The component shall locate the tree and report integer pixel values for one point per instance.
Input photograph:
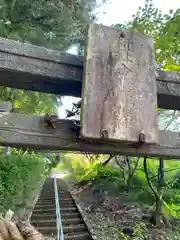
(53, 24)
(30, 102)
(165, 31)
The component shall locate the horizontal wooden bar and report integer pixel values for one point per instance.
(19, 130)
(172, 77)
(35, 68)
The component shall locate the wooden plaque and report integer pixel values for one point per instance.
(119, 96)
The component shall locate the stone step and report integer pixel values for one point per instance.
(63, 198)
(62, 201)
(74, 228)
(52, 210)
(48, 210)
(44, 206)
(62, 195)
(44, 213)
(46, 198)
(37, 217)
(67, 204)
(51, 230)
(52, 222)
(72, 221)
(63, 192)
(71, 215)
(44, 223)
(47, 231)
(67, 199)
(68, 209)
(79, 236)
(50, 198)
(53, 206)
(51, 216)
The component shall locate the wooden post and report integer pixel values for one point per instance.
(119, 89)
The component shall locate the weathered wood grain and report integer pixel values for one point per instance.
(19, 130)
(38, 52)
(119, 89)
(168, 95)
(172, 77)
(35, 68)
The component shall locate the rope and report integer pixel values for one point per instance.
(60, 235)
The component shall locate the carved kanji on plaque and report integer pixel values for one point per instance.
(119, 97)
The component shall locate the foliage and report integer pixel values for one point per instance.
(20, 175)
(165, 30)
(173, 235)
(73, 162)
(140, 231)
(112, 179)
(53, 24)
(123, 236)
(30, 102)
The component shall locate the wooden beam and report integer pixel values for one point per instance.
(168, 95)
(19, 130)
(35, 68)
(30, 67)
(172, 77)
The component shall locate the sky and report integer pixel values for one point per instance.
(118, 11)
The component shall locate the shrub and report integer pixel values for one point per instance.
(20, 175)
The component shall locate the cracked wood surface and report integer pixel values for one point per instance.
(28, 131)
(36, 68)
(119, 88)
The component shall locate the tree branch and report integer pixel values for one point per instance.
(108, 160)
(135, 167)
(170, 170)
(147, 177)
(118, 162)
(129, 167)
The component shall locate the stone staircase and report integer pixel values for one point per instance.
(44, 214)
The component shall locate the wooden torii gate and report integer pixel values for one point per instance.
(118, 66)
